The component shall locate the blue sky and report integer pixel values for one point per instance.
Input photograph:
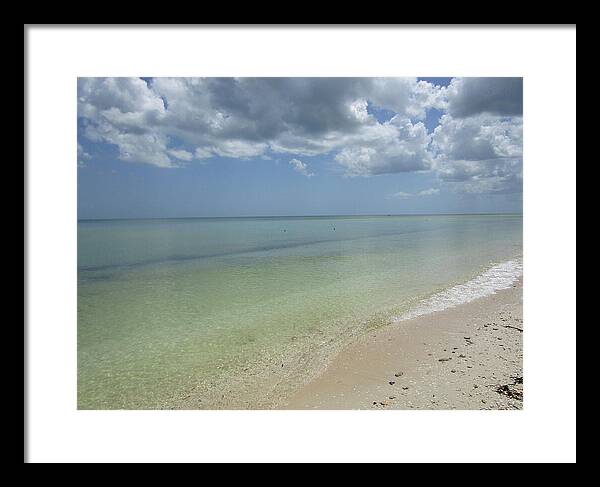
(221, 147)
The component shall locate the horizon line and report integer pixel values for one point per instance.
(296, 216)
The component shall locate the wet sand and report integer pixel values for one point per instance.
(467, 357)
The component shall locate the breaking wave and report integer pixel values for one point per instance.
(500, 276)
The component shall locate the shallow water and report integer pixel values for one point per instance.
(499, 276)
(169, 309)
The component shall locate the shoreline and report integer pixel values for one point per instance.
(467, 357)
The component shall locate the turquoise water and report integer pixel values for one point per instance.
(232, 313)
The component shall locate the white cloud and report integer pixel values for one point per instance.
(429, 192)
(394, 146)
(147, 147)
(480, 154)
(181, 154)
(251, 117)
(405, 195)
(82, 156)
(479, 138)
(126, 95)
(165, 122)
(122, 112)
(202, 153)
(239, 149)
(301, 167)
(405, 96)
(401, 195)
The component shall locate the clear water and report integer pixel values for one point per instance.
(497, 277)
(233, 313)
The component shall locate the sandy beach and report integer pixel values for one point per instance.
(466, 357)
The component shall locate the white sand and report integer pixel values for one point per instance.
(466, 357)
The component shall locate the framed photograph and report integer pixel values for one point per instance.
(353, 238)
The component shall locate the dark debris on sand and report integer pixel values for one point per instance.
(514, 390)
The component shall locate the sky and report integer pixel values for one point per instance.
(193, 147)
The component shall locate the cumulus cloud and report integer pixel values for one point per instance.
(479, 138)
(301, 167)
(394, 146)
(123, 112)
(474, 96)
(405, 96)
(170, 122)
(478, 144)
(125, 95)
(480, 154)
(251, 117)
(491, 176)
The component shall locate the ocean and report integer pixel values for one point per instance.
(235, 313)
